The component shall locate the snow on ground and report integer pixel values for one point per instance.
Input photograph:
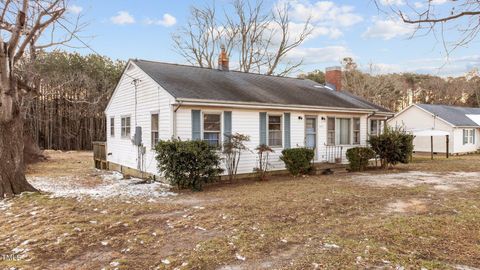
(109, 185)
(439, 181)
(4, 205)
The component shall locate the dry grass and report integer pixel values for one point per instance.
(328, 222)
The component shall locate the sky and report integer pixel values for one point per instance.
(378, 42)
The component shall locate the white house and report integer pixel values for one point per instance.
(168, 100)
(460, 123)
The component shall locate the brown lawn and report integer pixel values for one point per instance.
(424, 214)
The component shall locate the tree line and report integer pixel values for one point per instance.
(396, 91)
(68, 111)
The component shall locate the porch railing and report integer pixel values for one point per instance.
(334, 153)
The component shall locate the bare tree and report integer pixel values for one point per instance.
(459, 16)
(24, 26)
(259, 37)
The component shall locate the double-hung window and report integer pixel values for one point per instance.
(125, 126)
(376, 127)
(154, 129)
(356, 130)
(331, 130)
(212, 128)
(112, 126)
(275, 130)
(468, 136)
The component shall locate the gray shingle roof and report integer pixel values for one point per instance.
(452, 114)
(191, 82)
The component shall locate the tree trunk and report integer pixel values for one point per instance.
(12, 170)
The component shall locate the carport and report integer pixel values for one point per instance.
(433, 133)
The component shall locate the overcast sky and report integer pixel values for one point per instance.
(124, 29)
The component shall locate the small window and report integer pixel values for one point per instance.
(275, 130)
(374, 127)
(112, 126)
(356, 130)
(154, 129)
(212, 128)
(468, 136)
(125, 127)
(331, 131)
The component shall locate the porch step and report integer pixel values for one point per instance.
(329, 168)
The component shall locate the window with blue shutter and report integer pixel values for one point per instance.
(196, 125)
(263, 128)
(286, 130)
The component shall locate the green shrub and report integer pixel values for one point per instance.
(358, 158)
(298, 160)
(393, 146)
(188, 164)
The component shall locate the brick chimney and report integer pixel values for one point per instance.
(223, 59)
(333, 78)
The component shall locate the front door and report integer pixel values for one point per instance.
(311, 133)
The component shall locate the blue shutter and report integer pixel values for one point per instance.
(227, 125)
(464, 136)
(263, 128)
(473, 134)
(196, 125)
(286, 129)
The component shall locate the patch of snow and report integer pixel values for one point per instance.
(240, 257)
(104, 243)
(328, 245)
(111, 184)
(439, 181)
(200, 228)
(166, 261)
(4, 205)
(114, 264)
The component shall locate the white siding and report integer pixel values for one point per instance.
(151, 98)
(246, 121)
(415, 118)
(465, 148)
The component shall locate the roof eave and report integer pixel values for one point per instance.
(208, 102)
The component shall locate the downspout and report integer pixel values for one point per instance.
(175, 109)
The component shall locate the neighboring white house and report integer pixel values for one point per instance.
(461, 123)
(186, 102)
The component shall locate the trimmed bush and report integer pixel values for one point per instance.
(188, 164)
(393, 146)
(358, 158)
(298, 160)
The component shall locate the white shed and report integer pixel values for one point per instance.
(460, 123)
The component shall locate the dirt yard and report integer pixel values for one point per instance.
(425, 215)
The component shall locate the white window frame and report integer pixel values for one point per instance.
(122, 128)
(112, 126)
(281, 129)
(468, 136)
(356, 130)
(336, 130)
(380, 126)
(221, 126)
(151, 128)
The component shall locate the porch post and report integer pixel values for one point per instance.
(447, 139)
(431, 147)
